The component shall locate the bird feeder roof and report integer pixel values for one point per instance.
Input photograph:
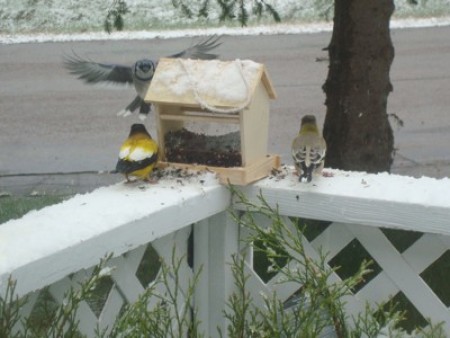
(207, 83)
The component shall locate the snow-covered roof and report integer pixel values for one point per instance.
(207, 82)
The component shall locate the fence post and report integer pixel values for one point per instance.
(216, 240)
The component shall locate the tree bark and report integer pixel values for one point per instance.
(357, 130)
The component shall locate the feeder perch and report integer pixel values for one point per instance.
(214, 114)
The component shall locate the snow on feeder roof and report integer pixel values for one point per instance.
(214, 114)
(209, 84)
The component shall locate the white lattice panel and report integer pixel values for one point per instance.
(126, 287)
(400, 271)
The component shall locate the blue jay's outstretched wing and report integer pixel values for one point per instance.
(139, 74)
(93, 72)
(200, 50)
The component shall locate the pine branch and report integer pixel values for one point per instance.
(272, 12)
(204, 9)
(243, 14)
(114, 18)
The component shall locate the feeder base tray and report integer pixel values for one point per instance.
(235, 175)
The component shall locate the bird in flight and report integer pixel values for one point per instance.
(140, 74)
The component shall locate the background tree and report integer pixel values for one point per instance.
(356, 128)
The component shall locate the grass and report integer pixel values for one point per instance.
(13, 207)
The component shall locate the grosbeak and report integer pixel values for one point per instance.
(308, 149)
(138, 154)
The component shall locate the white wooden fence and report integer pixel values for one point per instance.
(44, 248)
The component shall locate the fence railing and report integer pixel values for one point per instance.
(57, 245)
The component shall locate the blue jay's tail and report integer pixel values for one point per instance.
(144, 108)
(137, 102)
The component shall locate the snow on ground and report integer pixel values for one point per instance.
(272, 29)
(70, 16)
(61, 20)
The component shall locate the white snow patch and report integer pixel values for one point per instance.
(272, 29)
(87, 216)
(54, 228)
(82, 15)
(106, 271)
(425, 191)
(228, 82)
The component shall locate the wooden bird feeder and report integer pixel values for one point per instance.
(214, 114)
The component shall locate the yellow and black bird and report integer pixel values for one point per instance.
(308, 149)
(138, 154)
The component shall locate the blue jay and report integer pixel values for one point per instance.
(140, 74)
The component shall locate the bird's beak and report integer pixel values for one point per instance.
(146, 67)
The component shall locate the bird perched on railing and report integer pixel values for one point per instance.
(308, 149)
(138, 154)
(140, 74)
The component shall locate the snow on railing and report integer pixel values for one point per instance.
(45, 247)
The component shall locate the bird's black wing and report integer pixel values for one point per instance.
(93, 72)
(127, 167)
(200, 50)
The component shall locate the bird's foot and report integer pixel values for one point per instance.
(128, 180)
(124, 113)
(151, 180)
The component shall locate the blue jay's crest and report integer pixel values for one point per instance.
(139, 74)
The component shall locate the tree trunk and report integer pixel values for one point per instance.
(357, 129)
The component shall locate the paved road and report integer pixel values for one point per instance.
(51, 122)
